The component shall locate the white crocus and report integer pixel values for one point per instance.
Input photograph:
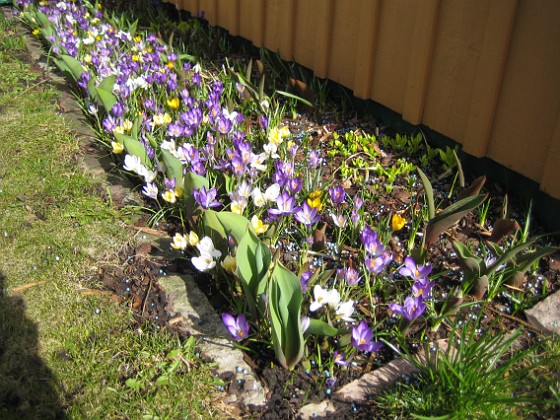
(206, 246)
(324, 297)
(258, 197)
(244, 190)
(132, 163)
(203, 263)
(345, 310)
(271, 150)
(258, 162)
(272, 192)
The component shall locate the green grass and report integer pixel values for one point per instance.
(64, 353)
(488, 376)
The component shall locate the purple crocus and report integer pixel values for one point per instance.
(286, 205)
(362, 337)
(313, 160)
(371, 242)
(307, 215)
(377, 264)
(337, 194)
(423, 288)
(415, 272)
(304, 280)
(413, 308)
(237, 327)
(338, 358)
(351, 276)
(206, 198)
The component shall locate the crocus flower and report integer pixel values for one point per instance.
(397, 222)
(180, 241)
(132, 163)
(305, 322)
(362, 337)
(324, 297)
(377, 264)
(337, 194)
(118, 148)
(423, 288)
(150, 190)
(338, 358)
(237, 327)
(412, 309)
(286, 205)
(229, 264)
(206, 246)
(344, 311)
(206, 198)
(371, 242)
(307, 215)
(339, 220)
(410, 269)
(258, 225)
(304, 280)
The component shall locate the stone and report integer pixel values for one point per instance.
(317, 410)
(202, 322)
(545, 315)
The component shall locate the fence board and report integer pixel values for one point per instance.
(482, 72)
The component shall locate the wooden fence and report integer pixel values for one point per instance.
(485, 73)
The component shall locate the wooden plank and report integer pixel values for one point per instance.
(228, 16)
(550, 181)
(529, 102)
(368, 29)
(210, 10)
(423, 39)
(323, 38)
(489, 75)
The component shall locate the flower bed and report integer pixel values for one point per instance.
(288, 224)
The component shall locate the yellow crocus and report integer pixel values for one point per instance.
(170, 196)
(118, 148)
(314, 200)
(397, 222)
(229, 264)
(258, 225)
(193, 238)
(174, 103)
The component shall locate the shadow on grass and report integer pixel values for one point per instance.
(28, 389)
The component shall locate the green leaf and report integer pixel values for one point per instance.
(253, 262)
(134, 147)
(450, 216)
(173, 167)
(42, 20)
(162, 380)
(215, 230)
(191, 182)
(471, 264)
(72, 66)
(103, 94)
(285, 299)
(234, 224)
(292, 96)
(318, 327)
(134, 384)
(429, 193)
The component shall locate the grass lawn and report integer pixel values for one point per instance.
(64, 352)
